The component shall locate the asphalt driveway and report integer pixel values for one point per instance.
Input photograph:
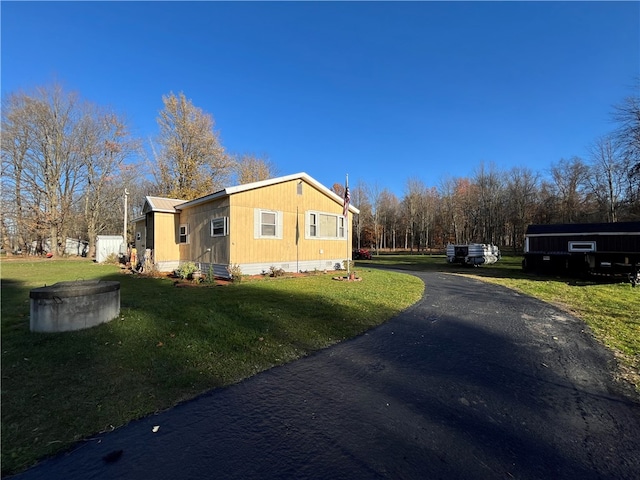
(473, 382)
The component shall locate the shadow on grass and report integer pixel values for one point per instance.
(446, 390)
(167, 345)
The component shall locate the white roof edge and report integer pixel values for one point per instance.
(264, 183)
(154, 208)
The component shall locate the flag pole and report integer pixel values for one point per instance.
(347, 199)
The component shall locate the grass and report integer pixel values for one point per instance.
(611, 309)
(168, 345)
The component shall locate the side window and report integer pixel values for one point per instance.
(220, 227)
(267, 224)
(313, 225)
(183, 233)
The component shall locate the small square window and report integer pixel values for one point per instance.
(183, 234)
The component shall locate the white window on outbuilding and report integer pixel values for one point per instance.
(585, 247)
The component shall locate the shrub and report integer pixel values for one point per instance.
(275, 271)
(210, 278)
(186, 269)
(112, 259)
(235, 272)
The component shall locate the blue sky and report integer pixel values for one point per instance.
(383, 91)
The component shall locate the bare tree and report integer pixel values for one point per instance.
(56, 151)
(627, 135)
(627, 142)
(360, 200)
(374, 194)
(569, 179)
(606, 177)
(42, 142)
(490, 216)
(391, 219)
(522, 200)
(451, 192)
(16, 143)
(387, 214)
(108, 145)
(191, 162)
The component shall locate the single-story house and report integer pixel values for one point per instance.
(293, 223)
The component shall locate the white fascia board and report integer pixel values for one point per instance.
(265, 183)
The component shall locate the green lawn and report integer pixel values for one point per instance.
(169, 344)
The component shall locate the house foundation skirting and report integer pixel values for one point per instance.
(220, 270)
(292, 266)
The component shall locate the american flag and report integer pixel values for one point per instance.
(347, 200)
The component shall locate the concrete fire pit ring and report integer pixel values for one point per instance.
(67, 306)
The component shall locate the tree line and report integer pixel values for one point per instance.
(66, 163)
(494, 206)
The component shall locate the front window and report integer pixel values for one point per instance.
(325, 226)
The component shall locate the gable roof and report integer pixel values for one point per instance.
(264, 183)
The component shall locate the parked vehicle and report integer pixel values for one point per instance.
(361, 254)
(473, 254)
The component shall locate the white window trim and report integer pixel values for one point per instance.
(339, 219)
(186, 229)
(582, 247)
(309, 224)
(257, 224)
(225, 227)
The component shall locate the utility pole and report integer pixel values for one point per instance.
(124, 229)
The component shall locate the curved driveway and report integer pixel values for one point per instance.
(473, 382)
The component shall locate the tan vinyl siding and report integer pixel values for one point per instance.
(283, 198)
(165, 237)
(199, 220)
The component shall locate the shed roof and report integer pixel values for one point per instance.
(585, 228)
(161, 204)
